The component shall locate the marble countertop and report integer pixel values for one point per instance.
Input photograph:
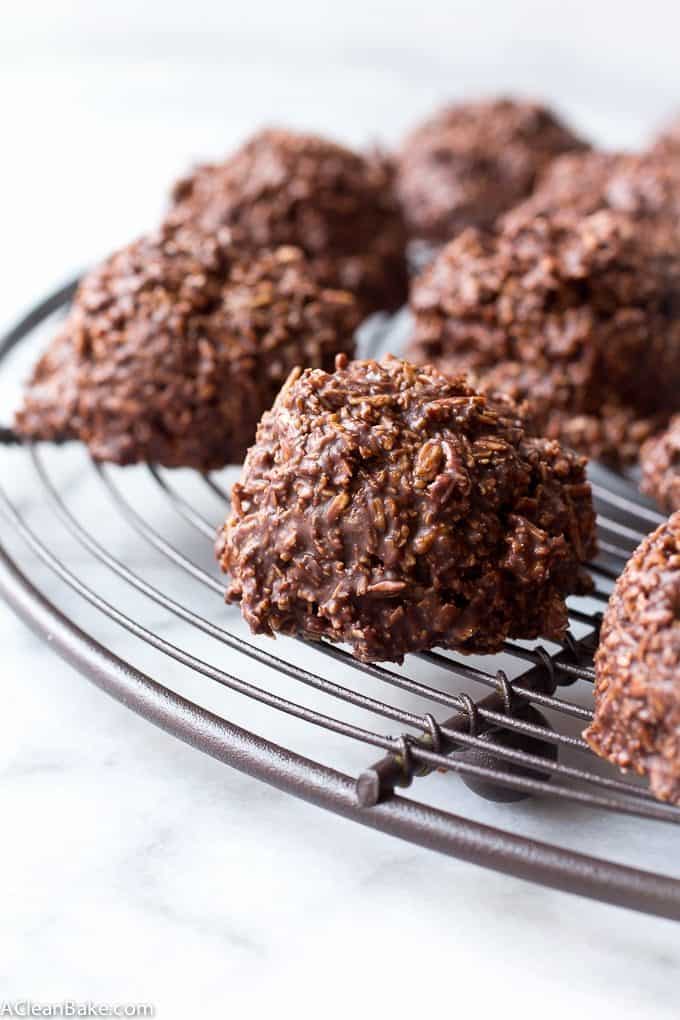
(133, 867)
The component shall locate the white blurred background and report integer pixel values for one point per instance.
(104, 103)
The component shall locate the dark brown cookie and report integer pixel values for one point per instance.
(660, 462)
(175, 346)
(471, 161)
(575, 315)
(645, 186)
(575, 181)
(637, 691)
(337, 205)
(395, 509)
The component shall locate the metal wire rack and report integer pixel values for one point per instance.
(384, 727)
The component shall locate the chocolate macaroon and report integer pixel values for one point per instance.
(337, 205)
(660, 463)
(646, 186)
(576, 181)
(637, 689)
(471, 161)
(574, 316)
(396, 509)
(175, 346)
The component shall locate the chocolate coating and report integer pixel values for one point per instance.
(637, 690)
(574, 315)
(645, 186)
(660, 463)
(395, 509)
(471, 161)
(576, 181)
(175, 346)
(335, 204)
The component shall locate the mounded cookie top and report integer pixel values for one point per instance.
(175, 346)
(660, 463)
(283, 187)
(637, 690)
(471, 161)
(575, 314)
(645, 186)
(396, 509)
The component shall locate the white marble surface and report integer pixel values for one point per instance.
(134, 868)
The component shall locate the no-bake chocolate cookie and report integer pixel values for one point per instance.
(576, 181)
(660, 463)
(574, 316)
(395, 509)
(637, 690)
(646, 186)
(337, 205)
(175, 346)
(471, 161)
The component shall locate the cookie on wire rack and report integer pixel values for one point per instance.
(396, 509)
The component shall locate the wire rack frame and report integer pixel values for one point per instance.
(501, 745)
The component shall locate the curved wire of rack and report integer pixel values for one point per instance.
(502, 745)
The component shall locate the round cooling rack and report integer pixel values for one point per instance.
(114, 567)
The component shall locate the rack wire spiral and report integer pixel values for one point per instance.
(402, 724)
